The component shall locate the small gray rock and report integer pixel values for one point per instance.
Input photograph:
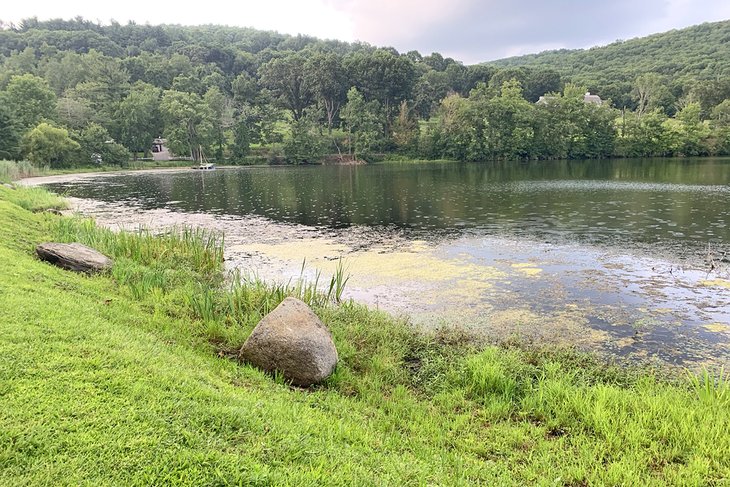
(74, 257)
(292, 340)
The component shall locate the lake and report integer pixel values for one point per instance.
(626, 257)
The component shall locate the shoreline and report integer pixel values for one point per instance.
(138, 353)
(465, 289)
(62, 178)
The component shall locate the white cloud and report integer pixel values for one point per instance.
(397, 22)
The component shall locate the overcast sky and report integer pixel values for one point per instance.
(467, 30)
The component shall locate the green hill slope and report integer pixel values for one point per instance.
(685, 56)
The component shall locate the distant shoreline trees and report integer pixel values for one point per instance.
(234, 94)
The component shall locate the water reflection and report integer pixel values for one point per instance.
(672, 204)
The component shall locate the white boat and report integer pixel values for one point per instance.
(200, 162)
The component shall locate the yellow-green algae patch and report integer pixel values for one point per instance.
(312, 250)
(716, 283)
(432, 287)
(625, 342)
(413, 262)
(717, 327)
(527, 268)
(568, 327)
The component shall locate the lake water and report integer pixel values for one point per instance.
(625, 257)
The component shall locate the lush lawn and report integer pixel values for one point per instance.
(130, 379)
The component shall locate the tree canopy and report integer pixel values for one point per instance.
(220, 91)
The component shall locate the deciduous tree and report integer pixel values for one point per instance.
(29, 100)
(46, 145)
(188, 123)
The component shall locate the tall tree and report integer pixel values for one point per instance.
(382, 75)
(363, 124)
(75, 111)
(46, 145)
(285, 78)
(326, 75)
(509, 132)
(304, 144)
(138, 118)
(29, 100)
(9, 136)
(221, 107)
(405, 130)
(97, 146)
(647, 88)
(188, 123)
(106, 86)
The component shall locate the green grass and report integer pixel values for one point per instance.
(130, 378)
(32, 199)
(12, 171)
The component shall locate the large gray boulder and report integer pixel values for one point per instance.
(292, 340)
(74, 257)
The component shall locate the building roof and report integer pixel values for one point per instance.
(588, 98)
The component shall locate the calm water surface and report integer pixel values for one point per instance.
(633, 251)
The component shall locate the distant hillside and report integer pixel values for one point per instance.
(69, 86)
(700, 52)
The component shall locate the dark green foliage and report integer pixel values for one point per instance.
(96, 146)
(138, 117)
(9, 136)
(695, 59)
(189, 124)
(227, 88)
(304, 144)
(363, 127)
(29, 100)
(241, 140)
(48, 145)
(285, 78)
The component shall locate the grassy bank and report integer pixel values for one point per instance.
(130, 378)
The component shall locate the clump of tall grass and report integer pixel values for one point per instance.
(12, 171)
(310, 291)
(712, 389)
(188, 263)
(248, 295)
(142, 281)
(230, 311)
(34, 199)
(177, 247)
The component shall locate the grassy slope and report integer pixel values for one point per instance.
(99, 388)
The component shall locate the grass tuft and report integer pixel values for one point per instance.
(12, 170)
(33, 199)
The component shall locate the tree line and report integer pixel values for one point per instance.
(77, 92)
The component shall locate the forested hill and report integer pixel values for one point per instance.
(79, 92)
(681, 57)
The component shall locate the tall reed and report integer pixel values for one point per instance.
(197, 249)
(12, 170)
